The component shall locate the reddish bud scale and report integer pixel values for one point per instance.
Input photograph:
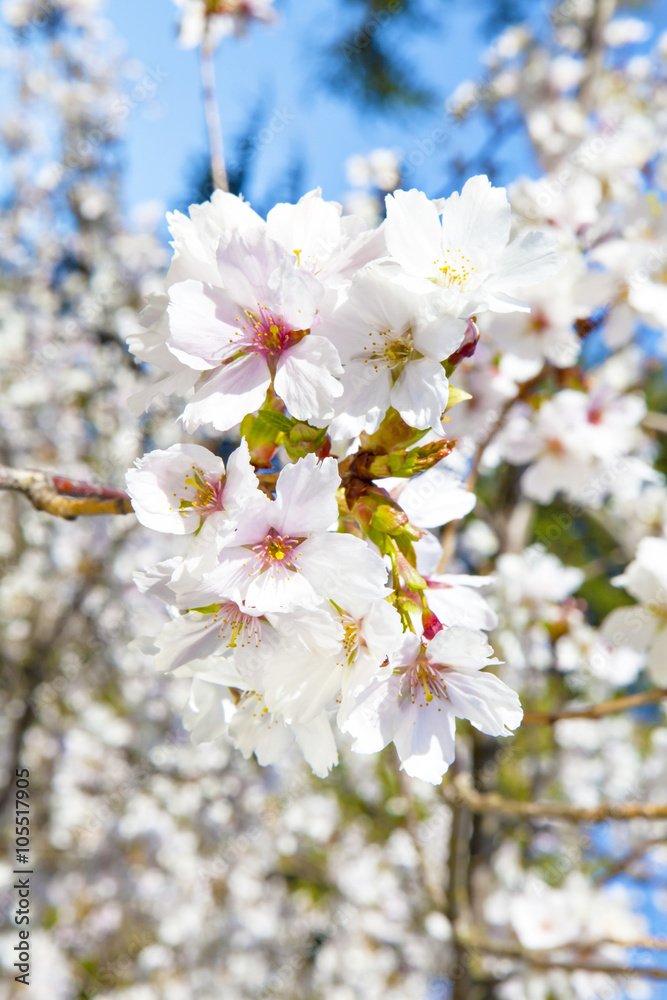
(75, 488)
(467, 348)
(432, 624)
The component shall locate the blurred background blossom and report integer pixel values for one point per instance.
(167, 869)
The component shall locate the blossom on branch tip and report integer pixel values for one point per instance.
(430, 685)
(176, 489)
(214, 20)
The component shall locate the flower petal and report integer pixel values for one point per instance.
(420, 394)
(305, 378)
(306, 497)
(229, 394)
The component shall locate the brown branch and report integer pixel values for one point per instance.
(61, 497)
(655, 422)
(457, 906)
(594, 51)
(596, 711)
(545, 959)
(645, 944)
(30, 672)
(460, 790)
(620, 865)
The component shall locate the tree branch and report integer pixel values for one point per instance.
(67, 498)
(596, 711)
(457, 901)
(655, 422)
(545, 959)
(594, 50)
(619, 866)
(460, 790)
(212, 113)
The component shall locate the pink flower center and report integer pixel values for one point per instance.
(278, 550)
(236, 627)
(207, 496)
(267, 334)
(425, 682)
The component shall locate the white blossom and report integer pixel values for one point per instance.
(465, 259)
(430, 685)
(644, 626)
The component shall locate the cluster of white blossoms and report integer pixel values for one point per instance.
(336, 888)
(301, 598)
(214, 20)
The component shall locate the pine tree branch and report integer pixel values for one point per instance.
(67, 498)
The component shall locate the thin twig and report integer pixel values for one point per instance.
(594, 50)
(621, 865)
(212, 113)
(545, 960)
(597, 711)
(460, 790)
(62, 497)
(31, 676)
(457, 901)
(523, 391)
(655, 422)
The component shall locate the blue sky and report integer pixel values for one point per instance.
(281, 67)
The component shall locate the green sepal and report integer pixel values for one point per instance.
(302, 439)
(456, 396)
(260, 436)
(277, 423)
(404, 464)
(404, 543)
(392, 434)
(270, 430)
